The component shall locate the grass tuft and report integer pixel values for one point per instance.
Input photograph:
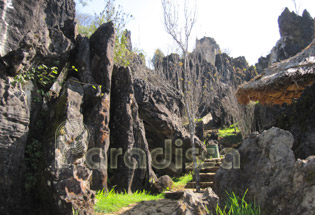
(238, 206)
(111, 201)
(180, 183)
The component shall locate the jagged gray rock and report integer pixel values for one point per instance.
(67, 175)
(15, 108)
(296, 33)
(198, 203)
(98, 112)
(31, 31)
(134, 171)
(269, 172)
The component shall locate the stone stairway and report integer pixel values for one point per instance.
(207, 173)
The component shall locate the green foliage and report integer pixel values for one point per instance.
(43, 75)
(157, 59)
(89, 24)
(112, 201)
(180, 183)
(230, 131)
(236, 206)
(122, 56)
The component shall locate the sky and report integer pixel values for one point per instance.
(240, 27)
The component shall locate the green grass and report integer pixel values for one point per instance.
(111, 201)
(238, 206)
(230, 135)
(230, 131)
(179, 183)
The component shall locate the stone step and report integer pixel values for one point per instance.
(202, 184)
(214, 160)
(174, 194)
(207, 177)
(210, 169)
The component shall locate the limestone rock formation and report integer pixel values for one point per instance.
(98, 110)
(198, 203)
(31, 31)
(208, 48)
(15, 111)
(271, 174)
(217, 75)
(296, 32)
(67, 177)
(160, 109)
(133, 169)
(283, 81)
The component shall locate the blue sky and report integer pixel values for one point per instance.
(245, 27)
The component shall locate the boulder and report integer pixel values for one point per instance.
(198, 203)
(161, 184)
(132, 169)
(269, 171)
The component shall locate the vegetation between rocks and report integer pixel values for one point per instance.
(180, 183)
(111, 201)
(238, 206)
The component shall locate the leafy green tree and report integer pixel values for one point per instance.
(87, 25)
(157, 59)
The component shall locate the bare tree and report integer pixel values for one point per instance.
(179, 20)
(297, 6)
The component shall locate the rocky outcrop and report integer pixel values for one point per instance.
(198, 203)
(102, 44)
(269, 172)
(216, 78)
(66, 176)
(208, 48)
(15, 109)
(160, 109)
(298, 118)
(282, 82)
(35, 31)
(132, 170)
(296, 32)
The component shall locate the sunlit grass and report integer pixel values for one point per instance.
(238, 206)
(180, 183)
(233, 130)
(111, 201)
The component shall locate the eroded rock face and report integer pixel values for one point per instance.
(33, 30)
(130, 170)
(160, 111)
(269, 172)
(198, 203)
(296, 33)
(15, 108)
(67, 176)
(98, 113)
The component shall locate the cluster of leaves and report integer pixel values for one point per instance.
(157, 59)
(88, 24)
(238, 206)
(43, 75)
(111, 201)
